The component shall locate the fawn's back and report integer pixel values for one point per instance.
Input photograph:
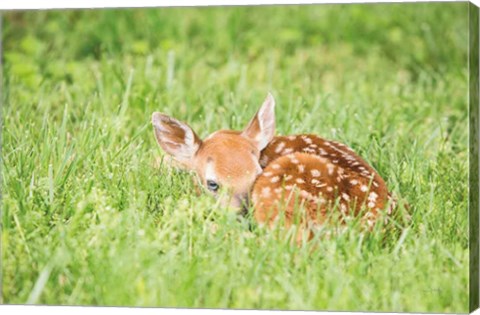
(320, 176)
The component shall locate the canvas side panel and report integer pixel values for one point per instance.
(1, 124)
(1, 150)
(474, 157)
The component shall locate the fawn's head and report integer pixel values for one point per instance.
(224, 161)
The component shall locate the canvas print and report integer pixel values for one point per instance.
(296, 157)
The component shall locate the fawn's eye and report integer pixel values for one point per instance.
(212, 185)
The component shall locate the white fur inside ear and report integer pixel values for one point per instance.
(266, 114)
(175, 137)
(266, 120)
(189, 138)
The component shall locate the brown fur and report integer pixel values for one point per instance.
(344, 179)
(233, 156)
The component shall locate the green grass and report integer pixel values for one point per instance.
(87, 218)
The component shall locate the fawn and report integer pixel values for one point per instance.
(255, 166)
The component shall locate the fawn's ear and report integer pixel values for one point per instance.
(261, 128)
(176, 138)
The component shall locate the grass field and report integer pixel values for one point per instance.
(89, 219)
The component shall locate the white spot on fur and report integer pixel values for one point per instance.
(330, 168)
(354, 182)
(315, 172)
(275, 166)
(293, 159)
(371, 204)
(275, 179)
(305, 194)
(364, 188)
(307, 140)
(315, 181)
(301, 168)
(266, 192)
(288, 177)
(372, 196)
(267, 174)
(330, 189)
(346, 196)
(300, 181)
(287, 151)
(280, 147)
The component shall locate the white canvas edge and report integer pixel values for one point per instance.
(74, 310)
(50, 4)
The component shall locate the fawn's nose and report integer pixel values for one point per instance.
(234, 202)
(244, 203)
(238, 203)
